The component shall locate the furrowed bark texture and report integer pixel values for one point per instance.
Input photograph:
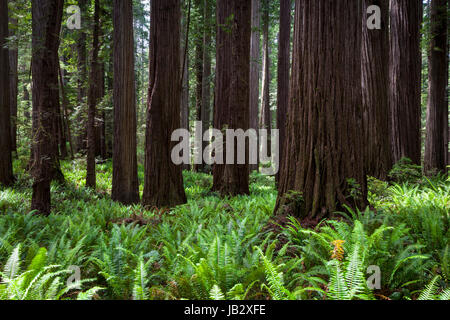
(323, 160)
(46, 25)
(125, 186)
(375, 86)
(232, 88)
(405, 78)
(163, 179)
(437, 139)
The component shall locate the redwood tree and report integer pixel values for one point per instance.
(232, 88)
(46, 25)
(375, 85)
(6, 172)
(125, 184)
(284, 50)
(323, 163)
(405, 79)
(437, 139)
(93, 97)
(163, 179)
(14, 80)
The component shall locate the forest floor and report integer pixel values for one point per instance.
(215, 248)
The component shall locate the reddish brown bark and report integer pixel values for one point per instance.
(14, 80)
(232, 95)
(322, 159)
(125, 185)
(47, 15)
(284, 50)
(437, 139)
(405, 78)
(375, 85)
(6, 172)
(163, 179)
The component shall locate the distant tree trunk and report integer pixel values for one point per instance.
(102, 152)
(93, 97)
(163, 179)
(255, 55)
(322, 159)
(437, 139)
(265, 120)
(125, 186)
(198, 83)
(81, 132)
(47, 16)
(6, 172)
(375, 85)
(206, 77)
(65, 114)
(232, 95)
(284, 53)
(405, 79)
(14, 80)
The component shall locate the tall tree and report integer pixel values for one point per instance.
(232, 88)
(255, 55)
(284, 51)
(265, 120)
(125, 185)
(437, 139)
(46, 25)
(405, 78)
(322, 159)
(6, 172)
(163, 179)
(93, 97)
(14, 81)
(375, 85)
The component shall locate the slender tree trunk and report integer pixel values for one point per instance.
(163, 179)
(65, 104)
(437, 139)
(255, 55)
(93, 96)
(265, 120)
(125, 186)
(284, 52)
(47, 16)
(199, 83)
(322, 159)
(405, 79)
(6, 172)
(232, 89)
(14, 80)
(375, 85)
(102, 121)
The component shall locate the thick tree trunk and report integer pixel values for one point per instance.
(163, 179)
(6, 172)
(47, 16)
(284, 52)
(437, 139)
(265, 120)
(255, 55)
(93, 97)
(232, 89)
(125, 186)
(13, 83)
(323, 162)
(375, 85)
(405, 78)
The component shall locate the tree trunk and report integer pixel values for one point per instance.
(323, 166)
(6, 172)
(284, 52)
(13, 83)
(163, 179)
(232, 95)
(375, 85)
(93, 97)
(254, 67)
(125, 186)
(265, 120)
(47, 16)
(65, 104)
(405, 79)
(198, 83)
(437, 140)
